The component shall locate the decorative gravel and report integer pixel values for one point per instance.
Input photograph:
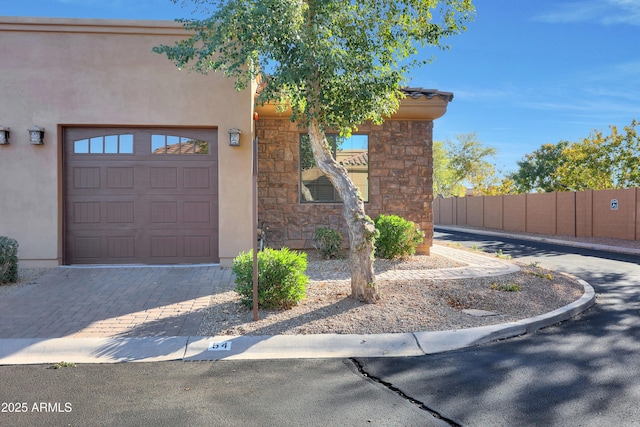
(26, 276)
(405, 306)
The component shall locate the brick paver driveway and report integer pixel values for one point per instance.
(111, 301)
(160, 301)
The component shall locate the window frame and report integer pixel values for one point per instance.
(103, 145)
(336, 197)
(173, 140)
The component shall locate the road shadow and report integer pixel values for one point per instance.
(581, 372)
(519, 247)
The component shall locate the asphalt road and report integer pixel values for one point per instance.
(583, 372)
(241, 393)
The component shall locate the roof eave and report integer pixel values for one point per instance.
(419, 104)
(423, 104)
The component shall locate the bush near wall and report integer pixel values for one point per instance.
(8, 260)
(398, 238)
(328, 242)
(281, 279)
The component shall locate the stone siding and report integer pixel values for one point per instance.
(400, 181)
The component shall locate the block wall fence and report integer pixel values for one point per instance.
(605, 213)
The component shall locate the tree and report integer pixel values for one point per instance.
(627, 149)
(335, 64)
(445, 183)
(597, 162)
(498, 186)
(465, 161)
(586, 165)
(538, 170)
(601, 161)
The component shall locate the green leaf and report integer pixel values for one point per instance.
(340, 62)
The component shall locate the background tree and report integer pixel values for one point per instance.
(496, 186)
(461, 163)
(586, 164)
(445, 183)
(538, 170)
(601, 161)
(627, 149)
(598, 162)
(336, 64)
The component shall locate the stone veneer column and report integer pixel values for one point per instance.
(401, 173)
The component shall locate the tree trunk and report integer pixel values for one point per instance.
(361, 227)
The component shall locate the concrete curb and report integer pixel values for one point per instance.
(438, 342)
(25, 351)
(305, 347)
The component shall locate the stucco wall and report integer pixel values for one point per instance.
(566, 216)
(584, 213)
(58, 72)
(444, 214)
(475, 212)
(400, 179)
(619, 223)
(459, 208)
(541, 213)
(493, 207)
(515, 212)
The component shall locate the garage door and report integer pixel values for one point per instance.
(145, 196)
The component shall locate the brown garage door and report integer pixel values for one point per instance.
(145, 196)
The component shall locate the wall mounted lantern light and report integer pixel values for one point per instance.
(36, 135)
(4, 135)
(234, 137)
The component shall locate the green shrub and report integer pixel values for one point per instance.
(281, 279)
(328, 242)
(8, 260)
(499, 254)
(398, 237)
(505, 287)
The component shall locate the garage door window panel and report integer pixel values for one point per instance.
(109, 144)
(171, 144)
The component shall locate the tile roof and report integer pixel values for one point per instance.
(359, 159)
(189, 147)
(417, 92)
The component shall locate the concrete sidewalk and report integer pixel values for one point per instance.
(120, 314)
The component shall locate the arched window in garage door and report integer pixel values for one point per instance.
(107, 144)
(170, 144)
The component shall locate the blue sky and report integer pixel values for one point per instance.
(524, 74)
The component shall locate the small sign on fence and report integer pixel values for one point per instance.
(614, 204)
